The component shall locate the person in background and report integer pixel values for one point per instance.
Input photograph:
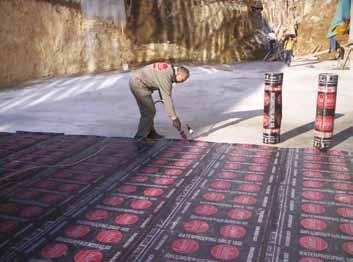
(271, 37)
(288, 46)
(156, 76)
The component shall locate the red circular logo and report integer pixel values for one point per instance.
(313, 195)
(26, 195)
(227, 175)
(196, 226)
(213, 196)
(46, 184)
(312, 165)
(190, 156)
(185, 246)
(257, 168)
(313, 208)
(7, 226)
(260, 160)
(97, 215)
(335, 159)
(62, 174)
(139, 179)
(140, 204)
(249, 188)
(313, 224)
(263, 153)
(77, 231)
(8, 207)
(126, 219)
(312, 157)
(232, 231)
(266, 99)
(85, 178)
(312, 174)
(348, 248)
(347, 229)
(109, 236)
(150, 170)
(339, 168)
(345, 212)
(51, 198)
(113, 201)
(224, 252)
(341, 176)
(327, 101)
(237, 158)
(324, 123)
(239, 214)
(313, 184)
(180, 163)
(31, 211)
(231, 165)
(206, 210)
(69, 187)
(88, 255)
(153, 192)
(127, 189)
(255, 178)
(163, 181)
(173, 172)
(220, 185)
(160, 162)
(54, 250)
(313, 243)
(342, 186)
(266, 120)
(343, 198)
(245, 200)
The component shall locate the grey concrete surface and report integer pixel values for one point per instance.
(222, 103)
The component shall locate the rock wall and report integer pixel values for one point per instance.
(40, 39)
(310, 19)
(220, 31)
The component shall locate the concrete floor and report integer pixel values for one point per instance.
(222, 103)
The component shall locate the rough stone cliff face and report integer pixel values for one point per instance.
(311, 19)
(40, 38)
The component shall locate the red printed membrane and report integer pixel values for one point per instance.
(185, 246)
(54, 250)
(77, 231)
(224, 252)
(313, 243)
(91, 255)
(196, 226)
(126, 219)
(109, 236)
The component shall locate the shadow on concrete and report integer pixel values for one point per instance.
(301, 129)
(342, 136)
(241, 116)
(297, 63)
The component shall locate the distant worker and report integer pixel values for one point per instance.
(271, 37)
(157, 76)
(288, 46)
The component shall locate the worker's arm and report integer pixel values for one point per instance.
(165, 86)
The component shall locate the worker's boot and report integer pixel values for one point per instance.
(154, 135)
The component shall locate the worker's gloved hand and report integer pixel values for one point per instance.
(177, 123)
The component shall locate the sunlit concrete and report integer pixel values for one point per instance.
(222, 103)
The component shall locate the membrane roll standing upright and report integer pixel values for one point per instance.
(272, 108)
(325, 110)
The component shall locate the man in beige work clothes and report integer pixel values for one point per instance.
(142, 84)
